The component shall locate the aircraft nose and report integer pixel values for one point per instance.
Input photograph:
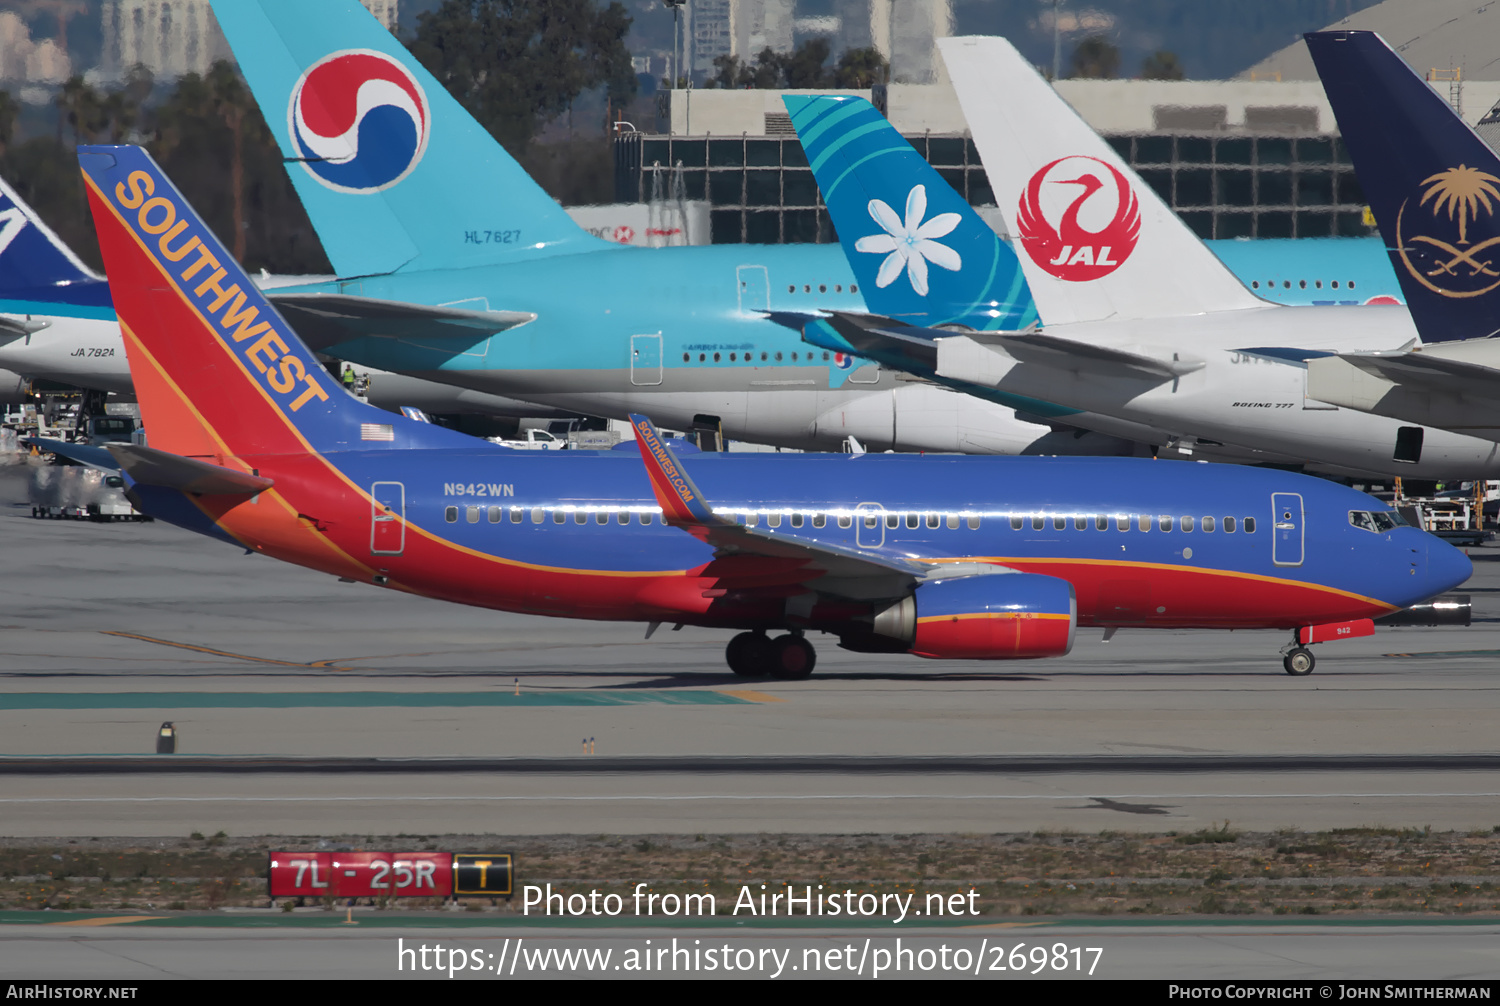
(1447, 567)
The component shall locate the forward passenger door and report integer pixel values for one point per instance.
(1287, 529)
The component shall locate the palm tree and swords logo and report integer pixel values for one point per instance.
(1456, 268)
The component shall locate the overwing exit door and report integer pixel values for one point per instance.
(387, 518)
(869, 523)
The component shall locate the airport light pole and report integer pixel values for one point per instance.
(1056, 42)
(676, 6)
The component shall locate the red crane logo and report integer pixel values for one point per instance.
(1069, 250)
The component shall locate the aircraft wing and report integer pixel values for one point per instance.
(327, 319)
(762, 559)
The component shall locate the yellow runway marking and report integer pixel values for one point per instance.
(113, 920)
(749, 696)
(222, 653)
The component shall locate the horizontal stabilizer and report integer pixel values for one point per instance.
(151, 467)
(875, 337)
(327, 319)
(1429, 373)
(1067, 354)
(83, 454)
(1293, 355)
(14, 327)
(1452, 385)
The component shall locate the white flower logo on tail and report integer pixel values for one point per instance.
(910, 245)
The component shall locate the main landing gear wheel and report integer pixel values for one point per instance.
(749, 655)
(792, 657)
(1299, 661)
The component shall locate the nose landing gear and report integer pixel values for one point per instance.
(755, 655)
(1299, 661)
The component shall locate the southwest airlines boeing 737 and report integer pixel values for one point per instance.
(952, 557)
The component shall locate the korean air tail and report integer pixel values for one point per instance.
(1097, 242)
(920, 251)
(1432, 183)
(218, 373)
(393, 172)
(38, 273)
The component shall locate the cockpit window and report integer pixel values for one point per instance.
(1377, 522)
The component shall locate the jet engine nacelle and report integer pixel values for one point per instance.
(1002, 616)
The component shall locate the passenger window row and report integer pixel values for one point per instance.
(912, 520)
(774, 519)
(871, 519)
(1286, 284)
(538, 515)
(822, 288)
(749, 357)
(1124, 522)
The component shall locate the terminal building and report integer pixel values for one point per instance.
(1254, 157)
(1235, 158)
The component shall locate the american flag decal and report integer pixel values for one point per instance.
(376, 431)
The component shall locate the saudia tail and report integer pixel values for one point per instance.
(920, 251)
(1096, 242)
(391, 169)
(39, 274)
(1433, 185)
(217, 371)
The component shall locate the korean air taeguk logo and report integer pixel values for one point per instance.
(359, 120)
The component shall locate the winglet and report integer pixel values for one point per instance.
(681, 502)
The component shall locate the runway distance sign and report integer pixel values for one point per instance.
(479, 873)
(362, 874)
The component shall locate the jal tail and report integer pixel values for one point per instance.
(1095, 241)
(920, 251)
(1432, 183)
(217, 371)
(39, 274)
(393, 172)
